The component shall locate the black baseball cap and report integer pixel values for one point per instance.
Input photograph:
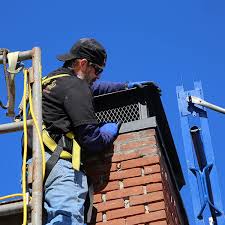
(87, 48)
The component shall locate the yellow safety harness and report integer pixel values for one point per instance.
(52, 145)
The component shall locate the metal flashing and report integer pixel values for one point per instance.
(138, 125)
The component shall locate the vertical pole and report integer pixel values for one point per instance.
(37, 190)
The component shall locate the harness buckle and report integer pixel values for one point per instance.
(66, 143)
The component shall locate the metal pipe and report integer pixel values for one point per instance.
(25, 55)
(11, 208)
(206, 104)
(37, 190)
(198, 147)
(12, 127)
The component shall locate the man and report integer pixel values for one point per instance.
(68, 106)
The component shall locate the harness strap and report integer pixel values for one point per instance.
(53, 160)
(46, 80)
(52, 145)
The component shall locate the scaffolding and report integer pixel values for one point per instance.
(37, 177)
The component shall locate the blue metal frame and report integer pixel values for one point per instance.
(202, 173)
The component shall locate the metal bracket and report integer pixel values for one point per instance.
(204, 188)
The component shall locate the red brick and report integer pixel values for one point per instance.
(137, 144)
(114, 167)
(137, 181)
(154, 187)
(114, 204)
(114, 185)
(158, 223)
(145, 218)
(124, 193)
(148, 150)
(155, 196)
(152, 169)
(118, 175)
(114, 222)
(119, 213)
(99, 217)
(127, 137)
(97, 198)
(141, 180)
(123, 157)
(140, 162)
(156, 206)
(143, 151)
(156, 177)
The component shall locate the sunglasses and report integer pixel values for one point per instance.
(97, 68)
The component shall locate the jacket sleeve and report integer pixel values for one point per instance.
(91, 139)
(104, 87)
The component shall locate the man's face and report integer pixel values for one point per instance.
(91, 72)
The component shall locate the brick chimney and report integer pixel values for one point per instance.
(138, 180)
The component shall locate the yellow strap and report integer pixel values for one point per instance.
(76, 152)
(70, 135)
(51, 144)
(45, 80)
(76, 155)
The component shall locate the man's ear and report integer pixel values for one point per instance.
(83, 62)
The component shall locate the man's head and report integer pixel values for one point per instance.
(88, 59)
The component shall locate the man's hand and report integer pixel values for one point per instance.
(140, 84)
(111, 128)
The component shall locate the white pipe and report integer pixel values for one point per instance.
(204, 103)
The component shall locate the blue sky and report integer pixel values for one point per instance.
(169, 42)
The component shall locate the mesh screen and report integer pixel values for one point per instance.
(124, 114)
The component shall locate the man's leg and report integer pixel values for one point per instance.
(65, 193)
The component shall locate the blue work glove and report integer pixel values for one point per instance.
(111, 129)
(140, 84)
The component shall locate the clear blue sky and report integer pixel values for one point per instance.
(169, 42)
